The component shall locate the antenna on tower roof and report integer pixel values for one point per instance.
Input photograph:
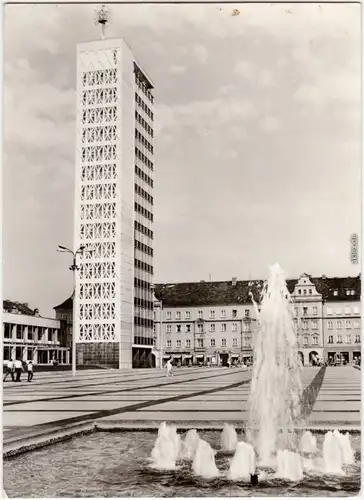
(103, 19)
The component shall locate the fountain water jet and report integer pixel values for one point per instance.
(308, 442)
(347, 450)
(189, 445)
(229, 438)
(276, 390)
(332, 454)
(166, 448)
(204, 461)
(289, 465)
(243, 463)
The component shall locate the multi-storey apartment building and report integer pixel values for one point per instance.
(308, 305)
(342, 321)
(114, 207)
(205, 322)
(64, 314)
(29, 336)
(215, 321)
(328, 317)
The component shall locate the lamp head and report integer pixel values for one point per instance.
(61, 248)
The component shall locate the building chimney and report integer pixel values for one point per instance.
(233, 281)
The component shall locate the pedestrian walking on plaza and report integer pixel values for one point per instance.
(169, 368)
(9, 369)
(30, 371)
(18, 369)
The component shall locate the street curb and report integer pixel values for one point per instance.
(153, 426)
(24, 443)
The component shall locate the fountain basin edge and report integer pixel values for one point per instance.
(28, 442)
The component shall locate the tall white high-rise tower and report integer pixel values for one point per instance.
(114, 207)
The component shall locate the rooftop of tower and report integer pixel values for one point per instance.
(111, 43)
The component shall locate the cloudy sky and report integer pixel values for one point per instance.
(257, 147)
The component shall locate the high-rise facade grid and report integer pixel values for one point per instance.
(114, 206)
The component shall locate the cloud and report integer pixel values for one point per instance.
(32, 123)
(232, 154)
(204, 116)
(266, 79)
(310, 95)
(244, 69)
(224, 88)
(177, 70)
(270, 124)
(201, 53)
(282, 62)
(238, 132)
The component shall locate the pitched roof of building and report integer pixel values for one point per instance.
(17, 307)
(206, 293)
(67, 304)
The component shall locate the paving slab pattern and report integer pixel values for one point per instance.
(339, 399)
(147, 397)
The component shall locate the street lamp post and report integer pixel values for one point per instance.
(161, 332)
(74, 267)
(160, 303)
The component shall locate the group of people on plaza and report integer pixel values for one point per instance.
(15, 369)
(169, 366)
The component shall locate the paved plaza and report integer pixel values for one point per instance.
(339, 399)
(197, 396)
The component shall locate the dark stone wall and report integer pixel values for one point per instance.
(104, 354)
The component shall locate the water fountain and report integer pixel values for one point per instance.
(229, 438)
(274, 412)
(166, 448)
(308, 442)
(189, 445)
(204, 461)
(346, 448)
(332, 454)
(289, 465)
(276, 388)
(243, 463)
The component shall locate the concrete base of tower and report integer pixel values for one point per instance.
(98, 354)
(125, 366)
(143, 357)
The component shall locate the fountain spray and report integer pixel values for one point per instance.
(276, 390)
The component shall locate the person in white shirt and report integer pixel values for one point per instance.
(30, 371)
(18, 369)
(169, 368)
(9, 369)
